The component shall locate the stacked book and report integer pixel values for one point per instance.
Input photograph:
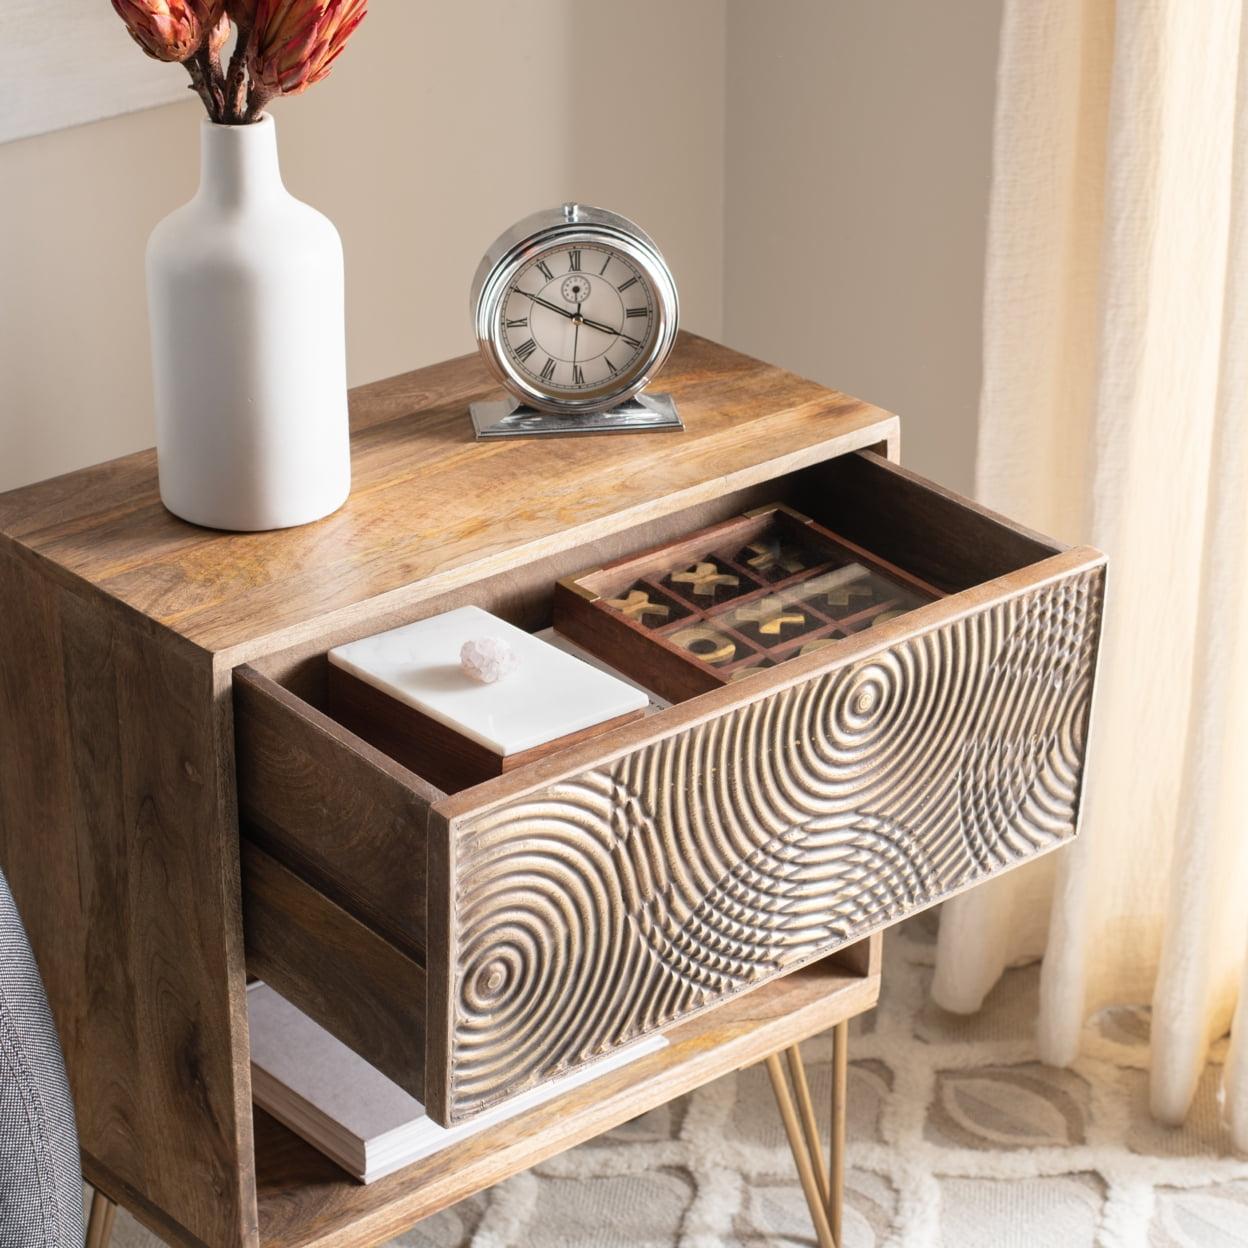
(323, 1091)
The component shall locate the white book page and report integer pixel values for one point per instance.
(322, 1090)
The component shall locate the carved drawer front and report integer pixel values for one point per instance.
(578, 903)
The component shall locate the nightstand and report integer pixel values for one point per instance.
(178, 809)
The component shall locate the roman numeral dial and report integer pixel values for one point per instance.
(576, 320)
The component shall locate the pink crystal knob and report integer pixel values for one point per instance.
(487, 659)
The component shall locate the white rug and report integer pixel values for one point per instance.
(958, 1139)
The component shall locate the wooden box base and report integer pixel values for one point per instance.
(444, 757)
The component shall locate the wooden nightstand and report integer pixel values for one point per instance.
(177, 808)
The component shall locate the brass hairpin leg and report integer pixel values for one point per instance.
(810, 1126)
(801, 1155)
(100, 1226)
(824, 1189)
(836, 1144)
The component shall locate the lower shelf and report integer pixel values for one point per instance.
(306, 1201)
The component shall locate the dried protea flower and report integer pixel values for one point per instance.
(219, 35)
(283, 46)
(169, 30)
(213, 18)
(294, 43)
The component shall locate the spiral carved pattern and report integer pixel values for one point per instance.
(623, 898)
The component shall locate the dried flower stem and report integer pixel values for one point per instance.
(210, 67)
(256, 100)
(236, 79)
(212, 71)
(200, 85)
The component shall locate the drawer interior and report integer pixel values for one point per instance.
(939, 536)
(365, 835)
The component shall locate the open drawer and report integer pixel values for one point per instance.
(476, 944)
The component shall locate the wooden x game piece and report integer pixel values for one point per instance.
(770, 615)
(704, 578)
(638, 605)
(774, 554)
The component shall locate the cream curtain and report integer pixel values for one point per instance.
(1115, 411)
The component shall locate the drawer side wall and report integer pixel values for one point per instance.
(939, 536)
(336, 810)
(335, 969)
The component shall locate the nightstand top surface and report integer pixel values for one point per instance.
(428, 503)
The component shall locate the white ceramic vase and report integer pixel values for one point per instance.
(245, 297)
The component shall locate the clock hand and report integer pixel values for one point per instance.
(599, 326)
(554, 307)
(572, 316)
(576, 335)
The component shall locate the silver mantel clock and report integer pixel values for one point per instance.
(575, 312)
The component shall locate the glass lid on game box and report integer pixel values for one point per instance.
(731, 600)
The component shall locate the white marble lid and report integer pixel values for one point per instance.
(550, 695)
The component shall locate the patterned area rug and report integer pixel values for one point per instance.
(958, 1136)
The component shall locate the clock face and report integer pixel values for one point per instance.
(577, 318)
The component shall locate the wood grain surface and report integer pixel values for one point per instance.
(121, 630)
(333, 808)
(686, 793)
(118, 836)
(121, 694)
(429, 507)
(307, 1202)
(916, 524)
(335, 969)
(522, 595)
(734, 837)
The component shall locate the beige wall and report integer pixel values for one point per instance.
(441, 125)
(857, 188)
(815, 170)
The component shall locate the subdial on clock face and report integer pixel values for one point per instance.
(577, 318)
(575, 288)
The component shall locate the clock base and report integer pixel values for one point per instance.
(509, 418)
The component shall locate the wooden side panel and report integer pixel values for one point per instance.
(353, 982)
(725, 851)
(940, 536)
(117, 834)
(864, 957)
(338, 811)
